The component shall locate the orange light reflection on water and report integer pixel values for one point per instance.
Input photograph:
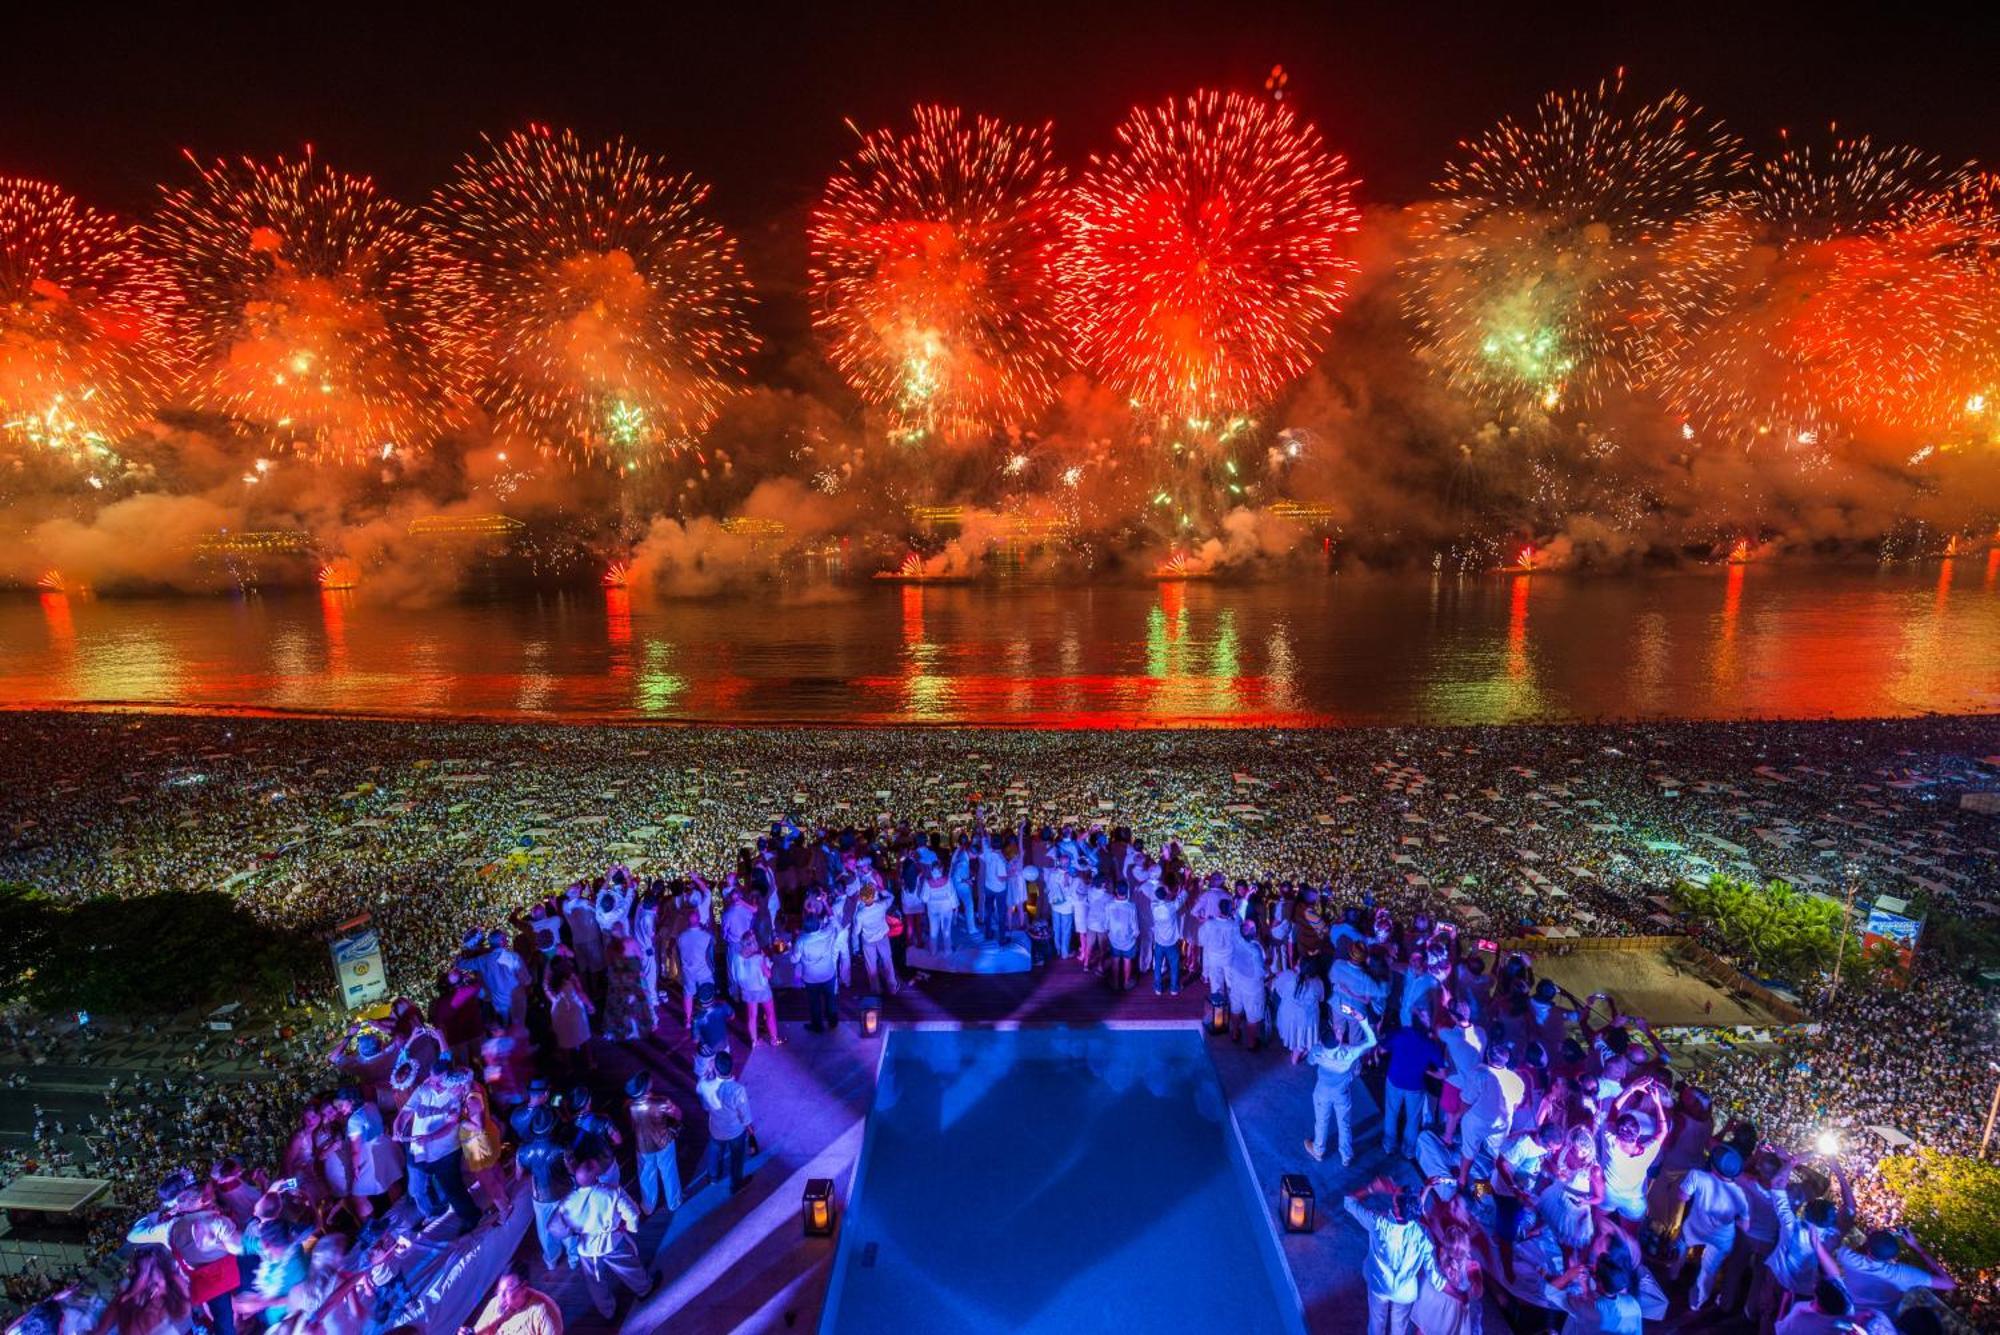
(62, 627)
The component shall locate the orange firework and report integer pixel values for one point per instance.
(1537, 271)
(82, 313)
(1830, 294)
(601, 310)
(933, 272)
(1207, 255)
(301, 313)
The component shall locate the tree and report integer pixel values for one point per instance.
(1952, 1203)
(149, 955)
(1777, 928)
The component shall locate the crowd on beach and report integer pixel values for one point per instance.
(1312, 882)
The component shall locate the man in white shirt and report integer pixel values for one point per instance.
(1333, 1089)
(729, 1123)
(1491, 1097)
(696, 948)
(1121, 929)
(1217, 939)
(1398, 1252)
(738, 917)
(601, 1219)
(1166, 917)
(817, 955)
(1249, 982)
(1716, 1207)
(1876, 1279)
(517, 1309)
(428, 1127)
(1628, 1145)
(871, 933)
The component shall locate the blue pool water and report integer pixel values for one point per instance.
(1060, 1180)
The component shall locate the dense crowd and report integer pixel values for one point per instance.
(448, 834)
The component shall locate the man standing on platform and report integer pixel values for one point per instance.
(1333, 1091)
(602, 1220)
(656, 1129)
(1399, 1251)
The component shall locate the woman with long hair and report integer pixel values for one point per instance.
(152, 1301)
(753, 980)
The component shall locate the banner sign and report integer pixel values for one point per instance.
(357, 964)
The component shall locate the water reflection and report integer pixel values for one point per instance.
(1318, 648)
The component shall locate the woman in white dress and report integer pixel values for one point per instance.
(752, 969)
(1301, 995)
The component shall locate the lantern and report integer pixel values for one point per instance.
(817, 1206)
(1295, 1196)
(1218, 1012)
(871, 1016)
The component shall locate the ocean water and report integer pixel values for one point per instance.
(1734, 642)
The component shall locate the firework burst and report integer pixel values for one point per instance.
(1838, 290)
(1207, 255)
(1536, 275)
(82, 312)
(302, 317)
(933, 272)
(599, 308)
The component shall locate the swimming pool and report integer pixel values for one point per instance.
(1055, 1179)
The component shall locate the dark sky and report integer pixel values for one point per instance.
(751, 96)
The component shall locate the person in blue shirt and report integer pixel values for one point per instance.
(1414, 1056)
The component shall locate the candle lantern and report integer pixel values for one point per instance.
(871, 1016)
(1218, 1013)
(818, 1207)
(1295, 1194)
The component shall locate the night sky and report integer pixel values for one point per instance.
(752, 97)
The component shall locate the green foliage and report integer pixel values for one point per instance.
(150, 955)
(1781, 931)
(1952, 1204)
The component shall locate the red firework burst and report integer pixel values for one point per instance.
(302, 315)
(933, 271)
(1836, 293)
(1207, 254)
(82, 314)
(600, 308)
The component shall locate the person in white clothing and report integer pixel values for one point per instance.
(601, 1220)
(940, 906)
(1249, 981)
(1216, 936)
(1166, 923)
(1121, 931)
(1716, 1208)
(1333, 1089)
(696, 948)
(1491, 1098)
(1399, 1251)
(871, 934)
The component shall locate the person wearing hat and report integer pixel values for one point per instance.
(730, 1127)
(1876, 1276)
(1715, 1208)
(656, 1130)
(601, 1220)
(542, 1161)
(522, 1117)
